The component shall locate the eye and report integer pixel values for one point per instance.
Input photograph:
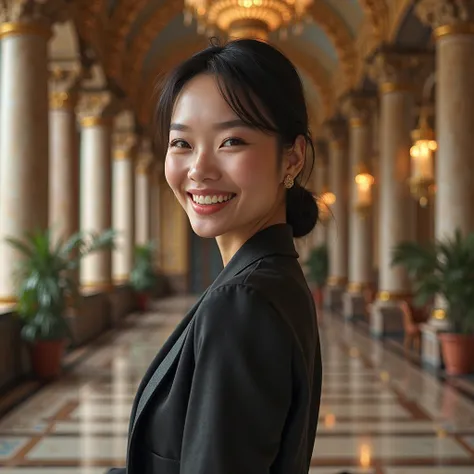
(178, 143)
(233, 141)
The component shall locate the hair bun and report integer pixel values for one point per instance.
(301, 210)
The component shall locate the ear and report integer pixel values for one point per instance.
(294, 158)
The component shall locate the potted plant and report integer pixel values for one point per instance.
(44, 284)
(318, 264)
(143, 277)
(446, 268)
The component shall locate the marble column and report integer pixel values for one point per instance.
(394, 72)
(320, 185)
(358, 110)
(64, 155)
(24, 136)
(96, 189)
(453, 30)
(143, 199)
(123, 206)
(338, 222)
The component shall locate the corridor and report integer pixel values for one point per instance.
(379, 414)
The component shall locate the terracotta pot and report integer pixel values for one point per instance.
(458, 353)
(318, 296)
(143, 300)
(46, 358)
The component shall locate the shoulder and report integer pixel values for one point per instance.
(238, 311)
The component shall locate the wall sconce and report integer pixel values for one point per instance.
(422, 173)
(364, 181)
(421, 182)
(327, 199)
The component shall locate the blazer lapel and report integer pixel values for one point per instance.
(160, 367)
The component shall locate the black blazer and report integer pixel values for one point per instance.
(239, 380)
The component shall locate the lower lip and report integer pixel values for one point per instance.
(207, 209)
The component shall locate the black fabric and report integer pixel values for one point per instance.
(241, 390)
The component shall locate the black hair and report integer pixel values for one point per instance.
(263, 88)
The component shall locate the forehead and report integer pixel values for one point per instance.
(201, 99)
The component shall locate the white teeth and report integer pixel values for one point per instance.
(211, 199)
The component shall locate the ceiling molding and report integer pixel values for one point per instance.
(90, 22)
(399, 9)
(340, 36)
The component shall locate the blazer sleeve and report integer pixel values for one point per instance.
(242, 385)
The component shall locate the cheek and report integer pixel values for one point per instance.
(256, 171)
(174, 172)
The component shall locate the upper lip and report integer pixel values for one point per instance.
(208, 192)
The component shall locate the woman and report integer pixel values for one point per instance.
(236, 388)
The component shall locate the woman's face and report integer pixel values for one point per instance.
(225, 174)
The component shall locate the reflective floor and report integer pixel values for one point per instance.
(379, 414)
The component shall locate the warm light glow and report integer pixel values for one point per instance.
(329, 420)
(365, 456)
(364, 181)
(232, 16)
(422, 161)
(328, 198)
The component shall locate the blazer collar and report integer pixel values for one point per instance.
(274, 240)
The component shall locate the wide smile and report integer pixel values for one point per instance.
(206, 204)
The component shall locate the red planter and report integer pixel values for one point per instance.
(46, 358)
(143, 301)
(458, 353)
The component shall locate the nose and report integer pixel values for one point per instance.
(203, 168)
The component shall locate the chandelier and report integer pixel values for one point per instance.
(246, 18)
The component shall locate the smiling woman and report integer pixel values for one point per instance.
(237, 386)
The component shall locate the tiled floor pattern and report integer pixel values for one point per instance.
(379, 414)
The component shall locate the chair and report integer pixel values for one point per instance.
(412, 332)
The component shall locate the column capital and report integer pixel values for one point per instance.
(64, 84)
(31, 16)
(125, 143)
(94, 108)
(398, 70)
(336, 131)
(447, 17)
(358, 108)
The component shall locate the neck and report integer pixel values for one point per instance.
(230, 242)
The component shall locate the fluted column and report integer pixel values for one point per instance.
(24, 128)
(453, 30)
(394, 73)
(143, 197)
(123, 206)
(338, 223)
(358, 110)
(64, 154)
(96, 177)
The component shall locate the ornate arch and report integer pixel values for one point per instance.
(125, 66)
(181, 51)
(377, 12)
(134, 58)
(340, 35)
(90, 22)
(118, 28)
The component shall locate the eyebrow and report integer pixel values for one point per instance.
(218, 126)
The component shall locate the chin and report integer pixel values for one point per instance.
(206, 230)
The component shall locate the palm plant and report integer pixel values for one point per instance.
(44, 278)
(143, 276)
(318, 263)
(443, 268)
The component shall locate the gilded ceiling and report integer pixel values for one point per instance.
(136, 41)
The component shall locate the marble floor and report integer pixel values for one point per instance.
(379, 414)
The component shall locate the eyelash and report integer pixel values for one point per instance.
(239, 141)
